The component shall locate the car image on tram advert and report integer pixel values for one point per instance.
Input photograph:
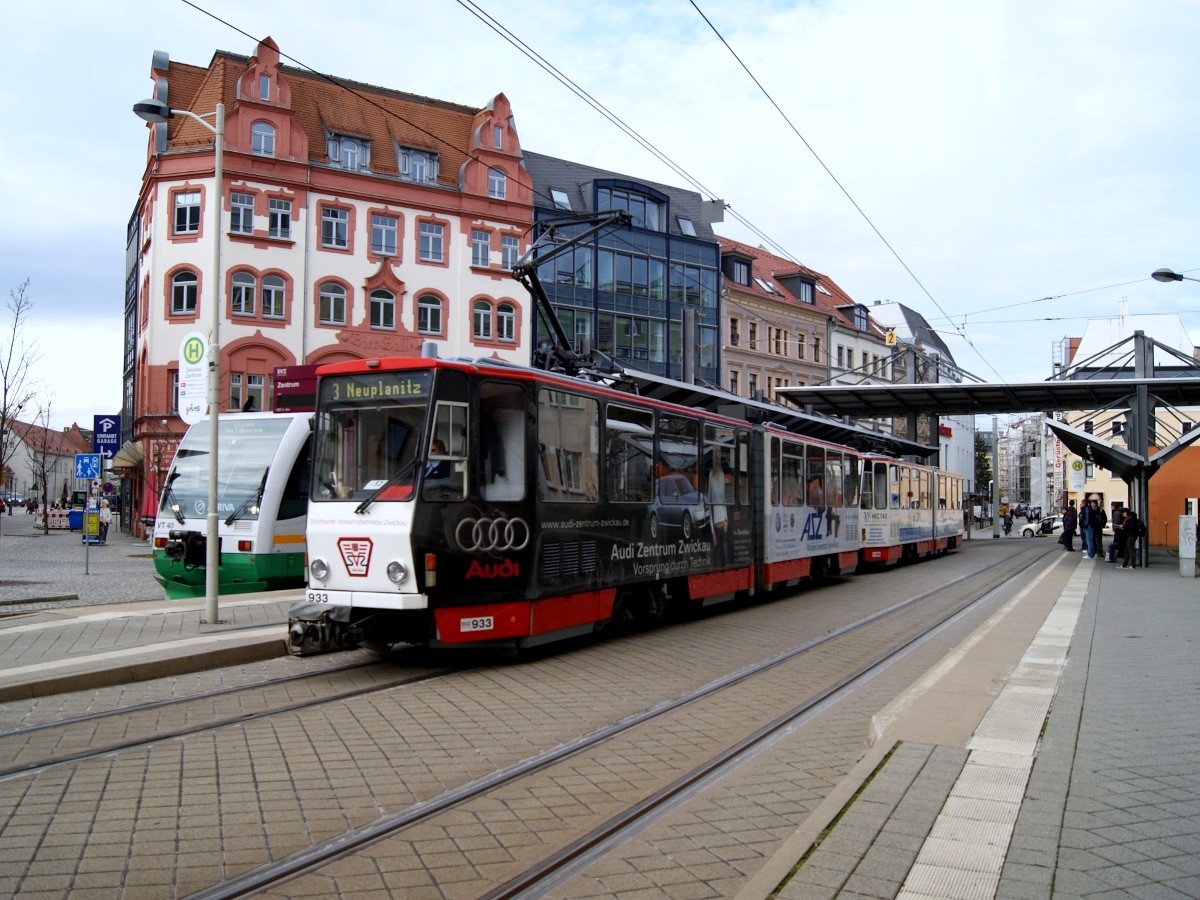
(678, 508)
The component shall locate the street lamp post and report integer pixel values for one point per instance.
(156, 112)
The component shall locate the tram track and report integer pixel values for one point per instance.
(148, 737)
(553, 867)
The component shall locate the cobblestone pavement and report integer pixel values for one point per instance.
(56, 569)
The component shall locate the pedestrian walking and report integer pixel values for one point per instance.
(1070, 520)
(1097, 519)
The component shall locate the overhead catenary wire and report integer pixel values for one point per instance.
(960, 327)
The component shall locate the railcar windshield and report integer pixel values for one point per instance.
(369, 429)
(245, 450)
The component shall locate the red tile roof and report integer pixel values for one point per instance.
(768, 266)
(320, 104)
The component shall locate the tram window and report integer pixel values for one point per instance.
(868, 486)
(568, 440)
(676, 451)
(834, 495)
(851, 480)
(881, 486)
(720, 480)
(791, 468)
(502, 440)
(742, 469)
(447, 443)
(814, 458)
(629, 446)
(294, 502)
(776, 469)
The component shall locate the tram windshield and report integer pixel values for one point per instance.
(245, 449)
(369, 436)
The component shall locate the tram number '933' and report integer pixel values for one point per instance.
(479, 623)
(316, 596)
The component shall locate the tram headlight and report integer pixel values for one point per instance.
(396, 572)
(318, 569)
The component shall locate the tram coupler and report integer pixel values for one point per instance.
(188, 546)
(320, 632)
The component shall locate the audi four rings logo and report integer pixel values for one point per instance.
(489, 535)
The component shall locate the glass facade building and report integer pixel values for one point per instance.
(624, 291)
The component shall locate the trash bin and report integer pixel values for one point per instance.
(75, 518)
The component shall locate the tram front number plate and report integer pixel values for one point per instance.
(479, 623)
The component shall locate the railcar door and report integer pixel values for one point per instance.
(473, 522)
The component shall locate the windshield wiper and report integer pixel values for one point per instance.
(405, 471)
(167, 497)
(254, 499)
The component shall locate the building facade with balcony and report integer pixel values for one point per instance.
(356, 221)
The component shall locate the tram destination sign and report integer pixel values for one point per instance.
(384, 386)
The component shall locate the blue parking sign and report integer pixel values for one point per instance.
(106, 435)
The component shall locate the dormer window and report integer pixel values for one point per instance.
(861, 318)
(349, 153)
(804, 291)
(736, 270)
(646, 212)
(262, 139)
(497, 184)
(264, 87)
(417, 165)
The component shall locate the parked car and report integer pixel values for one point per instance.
(1048, 525)
(677, 506)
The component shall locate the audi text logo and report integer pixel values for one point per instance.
(491, 535)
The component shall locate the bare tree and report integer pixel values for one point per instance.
(42, 461)
(17, 357)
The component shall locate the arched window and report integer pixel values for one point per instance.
(506, 322)
(241, 297)
(482, 320)
(262, 139)
(497, 184)
(429, 315)
(331, 304)
(383, 309)
(183, 294)
(272, 297)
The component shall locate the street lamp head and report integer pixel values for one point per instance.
(153, 111)
(1165, 275)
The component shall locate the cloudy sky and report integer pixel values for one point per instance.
(1028, 163)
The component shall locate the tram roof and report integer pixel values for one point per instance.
(794, 420)
(866, 400)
